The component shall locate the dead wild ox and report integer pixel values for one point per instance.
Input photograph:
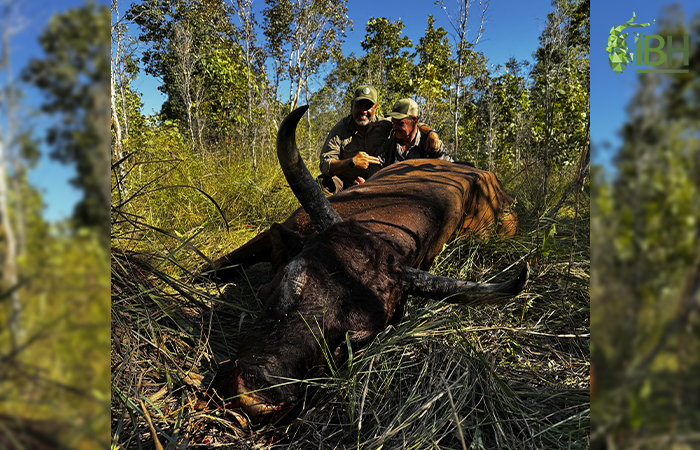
(345, 264)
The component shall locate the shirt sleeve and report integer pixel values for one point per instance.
(384, 153)
(330, 152)
(442, 154)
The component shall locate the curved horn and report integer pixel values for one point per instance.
(300, 180)
(420, 282)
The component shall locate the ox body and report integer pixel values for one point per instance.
(344, 266)
(418, 205)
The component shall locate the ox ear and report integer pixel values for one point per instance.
(425, 284)
(286, 244)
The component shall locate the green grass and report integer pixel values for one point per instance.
(508, 376)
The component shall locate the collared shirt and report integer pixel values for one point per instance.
(392, 151)
(344, 142)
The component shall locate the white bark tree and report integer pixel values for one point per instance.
(458, 19)
(117, 33)
(191, 90)
(551, 61)
(306, 34)
(9, 268)
(252, 55)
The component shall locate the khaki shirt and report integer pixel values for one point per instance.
(345, 142)
(392, 151)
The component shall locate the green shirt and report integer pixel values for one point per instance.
(345, 142)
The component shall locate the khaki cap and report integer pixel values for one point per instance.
(404, 108)
(365, 92)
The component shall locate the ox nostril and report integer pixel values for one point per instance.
(251, 402)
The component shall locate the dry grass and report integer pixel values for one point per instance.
(507, 376)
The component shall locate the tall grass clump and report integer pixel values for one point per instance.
(211, 202)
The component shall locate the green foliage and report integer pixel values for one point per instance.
(167, 188)
(306, 35)
(130, 103)
(219, 68)
(387, 65)
(73, 77)
(501, 120)
(505, 119)
(207, 20)
(432, 76)
(560, 89)
(227, 75)
(125, 69)
(54, 370)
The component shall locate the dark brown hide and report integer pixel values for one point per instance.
(418, 205)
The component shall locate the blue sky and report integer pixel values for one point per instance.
(611, 92)
(50, 177)
(512, 28)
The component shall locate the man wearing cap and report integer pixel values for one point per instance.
(408, 140)
(351, 148)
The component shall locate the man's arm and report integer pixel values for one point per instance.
(330, 153)
(441, 154)
(433, 144)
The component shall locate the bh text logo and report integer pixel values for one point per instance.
(620, 54)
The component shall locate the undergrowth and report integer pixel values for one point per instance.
(507, 376)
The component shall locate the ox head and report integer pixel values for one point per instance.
(341, 283)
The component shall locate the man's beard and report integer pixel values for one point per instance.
(362, 120)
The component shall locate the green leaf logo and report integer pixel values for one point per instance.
(619, 54)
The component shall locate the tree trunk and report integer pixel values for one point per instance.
(187, 60)
(245, 13)
(117, 151)
(100, 122)
(455, 110)
(459, 24)
(9, 267)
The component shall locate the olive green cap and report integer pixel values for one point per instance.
(365, 92)
(404, 108)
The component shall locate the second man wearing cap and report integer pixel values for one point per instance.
(408, 140)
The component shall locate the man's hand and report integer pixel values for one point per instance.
(362, 160)
(433, 142)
